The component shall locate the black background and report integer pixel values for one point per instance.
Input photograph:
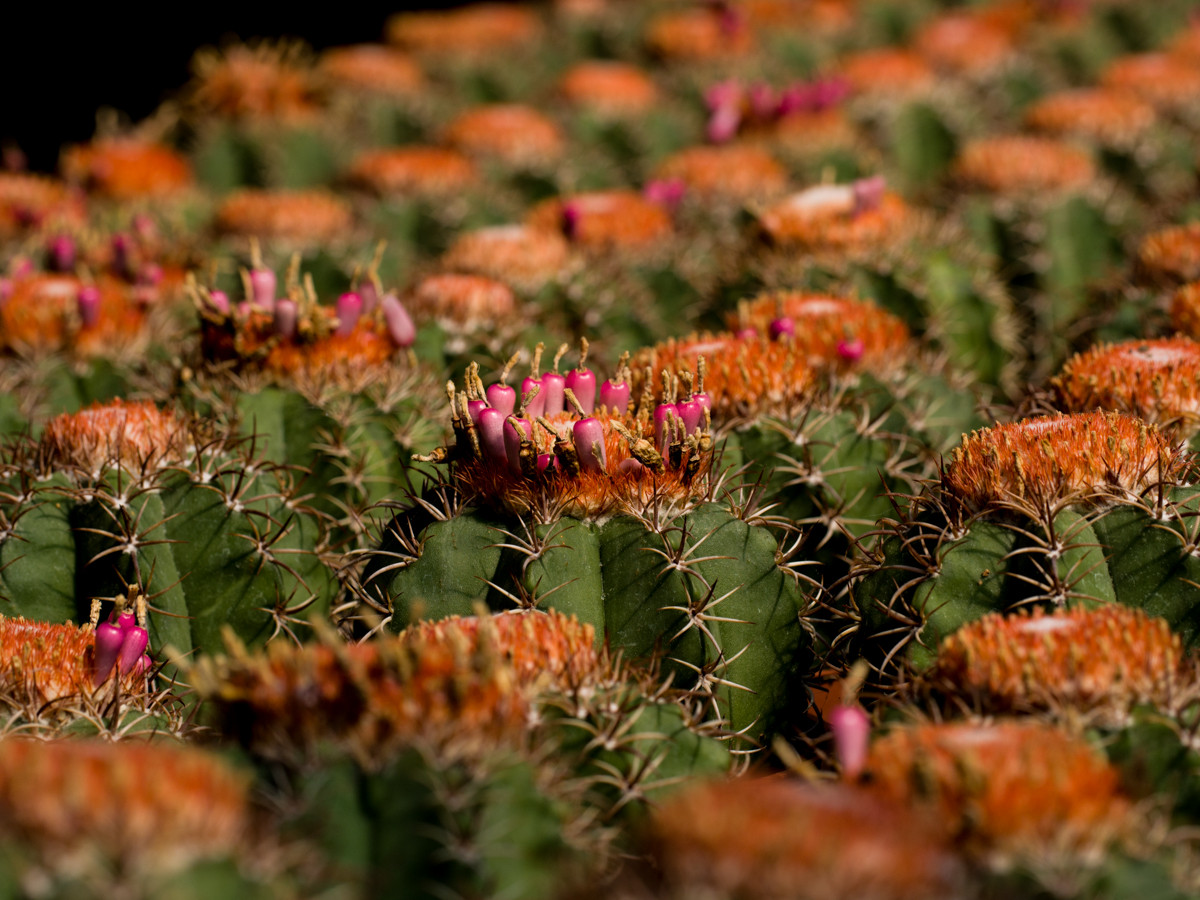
(59, 64)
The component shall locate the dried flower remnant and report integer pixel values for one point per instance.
(127, 168)
(478, 28)
(608, 88)
(1102, 661)
(1101, 114)
(603, 220)
(855, 217)
(1157, 380)
(1052, 459)
(296, 217)
(509, 132)
(415, 169)
(135, 435)
(1008, 792)
(145, 808)
(1023, 165)
(755, 838)
(373, 69)
(522, 256)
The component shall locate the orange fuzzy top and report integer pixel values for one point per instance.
(520, 255)
(413, 170)
(127, 168)
(134, 435)
(1055, 458)
(464, 303)
(509, 132)
(299, 217)
(735, 171)
(373, 68)
(604, 219)
(1156, 380)
(825, 218)
(478, 28)
(1018, 164)
(608, 87)
(42, 314)
(1079, 659)
(1098, 113)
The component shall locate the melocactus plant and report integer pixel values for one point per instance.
(128, 495)
(577, 499)
(446, 724)
(328, 388)
(1071, 510)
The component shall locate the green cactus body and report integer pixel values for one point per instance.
(1098, 514)
(212, 537)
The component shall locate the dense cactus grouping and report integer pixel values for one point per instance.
(592, 448)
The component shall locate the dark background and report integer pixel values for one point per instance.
(59, 63)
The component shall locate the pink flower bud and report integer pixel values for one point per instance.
(666, 192)
(502, 397)
(589, 444)
(723, 124)
(763, 101)
(745, 334)
(851, 349)
(262, 288)
(369, 295)
(219, 301)
(692, 414)
(780, 327)
(106, 651)
(491, 434)
(582, 383)
(122, 251)
(6, 290)
(630, 465)
(133, 645)
(796, 98)
(400, 326)
(829, 92)
(868, 193)
(349, 308)
(287, 314)
(547, 461)
(851, 729)
(537, 405)
(571, 214)
(474, 408)
(552, 396)
(614, 395)
(61, 253)
(723, 94)
(124, 621)
(88, 302)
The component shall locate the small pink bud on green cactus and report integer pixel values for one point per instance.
(400, 326)
(286, 316)
(88, 302)
(491, 433)
(109, 639)
(133, 644)
(851, 729)
(781, 327)
(349, 309)
(851, 349)
(262, 288)
(219, 301)
(61, 253)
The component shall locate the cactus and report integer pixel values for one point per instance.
(607, 516)
(1085, 509)
(469, 773)
(322, 388)
(129, 495)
